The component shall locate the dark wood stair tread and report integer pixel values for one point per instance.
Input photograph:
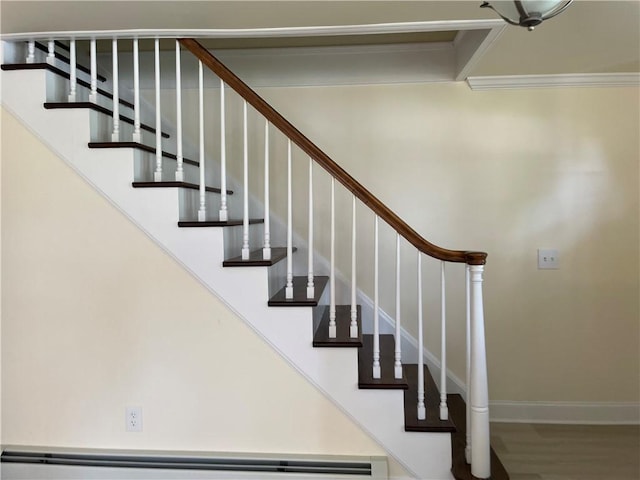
(431, 401)
(62, 73)
(217, 223)
(460, 469)
(62, 58)
(101, 109)
(387, 360)
(256, 260)
(174, 184)
(343, 323)
(300, 293)
(140, 146)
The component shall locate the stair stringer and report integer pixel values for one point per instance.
(200, 251)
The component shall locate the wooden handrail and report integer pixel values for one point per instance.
(306, 145)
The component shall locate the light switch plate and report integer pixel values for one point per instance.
(548, 259)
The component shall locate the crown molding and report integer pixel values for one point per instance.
(510, 82)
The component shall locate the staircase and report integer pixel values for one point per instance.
(94, 125)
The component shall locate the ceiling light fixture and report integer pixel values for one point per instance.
(528, 13)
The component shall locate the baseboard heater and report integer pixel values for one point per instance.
(67, 464)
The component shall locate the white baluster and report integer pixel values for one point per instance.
(467, 450)
(223, 214)
(353, 327)
(444, 410)
(245, 216)
(332, 268)
(202, 210)
(266, 249)
(93, 95)
(480, 453)
(397, 369)
(376, 304)
(73, 82)
(136, 93)
(51, 52)
(157, 175)
(311, 290)
(288, 291)
(179, 157)
(115, 135)
(31, 51)
(422, 411)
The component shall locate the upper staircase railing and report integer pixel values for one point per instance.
(477, 449)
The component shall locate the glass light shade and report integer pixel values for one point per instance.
(527, 13)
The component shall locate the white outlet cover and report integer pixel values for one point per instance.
(548, 259)
(133, 419)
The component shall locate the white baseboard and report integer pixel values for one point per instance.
(597, 413)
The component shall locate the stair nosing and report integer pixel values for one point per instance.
(276, 256)
(216, 223)
(141, 146)
(177, 184)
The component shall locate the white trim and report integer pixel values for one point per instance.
(416, 47)
(550, 81)
(464, 67)
(311, 31)
(594, 413)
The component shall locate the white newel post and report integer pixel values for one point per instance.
(245, 182)
(73, 81)
(137, 137)
(376, 302)
(444, 409)
(115, 135)
(397, 367)
(311, 291)
(266, 248)
(223, 214)
(157, 175)
(51, 52)
(180, 160)
(353, 327)
(480, 453)
(93, 96)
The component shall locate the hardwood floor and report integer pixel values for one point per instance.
(568, 452)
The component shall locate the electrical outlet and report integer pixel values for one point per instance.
(548, 259)
(133, 419)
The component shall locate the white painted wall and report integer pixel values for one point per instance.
(96, 317)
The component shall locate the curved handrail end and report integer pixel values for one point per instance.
(475, 258)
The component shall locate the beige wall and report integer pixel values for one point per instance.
(95, 317)
(508, 172)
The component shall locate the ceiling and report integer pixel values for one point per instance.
(589, 37)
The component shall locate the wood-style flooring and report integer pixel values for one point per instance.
(568, 452)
